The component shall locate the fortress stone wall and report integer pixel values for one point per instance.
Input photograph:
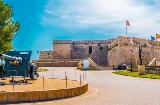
(109, 52)
(119, 51)
(46, 55)
(80, 50)
(62, 49)
(67, 49)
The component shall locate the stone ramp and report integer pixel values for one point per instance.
(153, 62)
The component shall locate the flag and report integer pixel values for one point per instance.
(152, 38)
(127, 23)
(157, 36)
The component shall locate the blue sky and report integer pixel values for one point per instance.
(43, 21)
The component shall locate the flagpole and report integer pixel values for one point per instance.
(126, 29)
(156, 50)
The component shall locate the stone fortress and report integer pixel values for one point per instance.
(109, 52)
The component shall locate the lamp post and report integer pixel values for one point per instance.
(131, 59)
(37, 54)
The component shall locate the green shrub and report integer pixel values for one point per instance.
(42, 70)
(100, 48)
(119, 67)
(145, 45)
(126, 44)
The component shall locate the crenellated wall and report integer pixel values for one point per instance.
(67, 49)
(108, 52)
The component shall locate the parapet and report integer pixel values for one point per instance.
(92, 41)
(62, 42)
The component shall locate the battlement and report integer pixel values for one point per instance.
(62, 42)
(82, 41)
(92, 41)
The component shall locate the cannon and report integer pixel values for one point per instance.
(17, 63)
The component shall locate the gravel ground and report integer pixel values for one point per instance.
(38, 84)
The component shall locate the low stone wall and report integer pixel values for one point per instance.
(58, 64)
(31, 96)
(152, 71)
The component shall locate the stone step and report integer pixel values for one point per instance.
(105, 68)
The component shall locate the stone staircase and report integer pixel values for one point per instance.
(102, 57)
(93, 65)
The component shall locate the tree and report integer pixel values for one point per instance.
(8, 27)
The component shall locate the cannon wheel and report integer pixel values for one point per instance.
(32, 75)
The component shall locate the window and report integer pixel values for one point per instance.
(90, 49)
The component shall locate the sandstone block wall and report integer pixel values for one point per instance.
(46, 55)
(58, 64)
(62, 49)
(104, 52)
(80, 50)
(99, 55)
(121, 54)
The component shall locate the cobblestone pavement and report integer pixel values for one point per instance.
(106, 88)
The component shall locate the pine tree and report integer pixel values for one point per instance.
(8, 27)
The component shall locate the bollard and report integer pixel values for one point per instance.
(25, 77)
(13, 82)
(83, 76)
(80, 80)
(75, 75)
(66, 82)
(65, 74)
(43, 83)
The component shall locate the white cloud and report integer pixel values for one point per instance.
(105, 14)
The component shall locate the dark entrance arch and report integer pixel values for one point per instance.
(90, 49)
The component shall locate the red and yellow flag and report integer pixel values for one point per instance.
(157, 36)
(127, 23)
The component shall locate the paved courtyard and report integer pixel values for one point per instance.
(106, 88)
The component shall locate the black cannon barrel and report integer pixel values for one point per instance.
(8, 57)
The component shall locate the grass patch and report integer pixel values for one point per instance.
(135, 74)
(42, 70)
